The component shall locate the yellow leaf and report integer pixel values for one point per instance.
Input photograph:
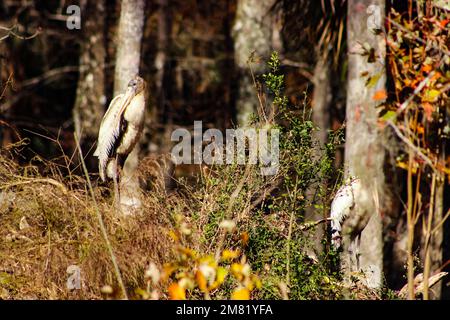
(249, 285)
(221, 275)
(173, 235)
(405, 166)
(176, 292)
(258, 284)
(402, 165)
(142, 293)
(431, 95)
(230, 254)
(372, 81)
(256, 281)
(240, 294)
(209, 259)
(188, 252)
(236, 270)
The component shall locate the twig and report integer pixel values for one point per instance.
(11, 32)
(412, 146)
(47, 76)
(419, 285)
(36, 180)
(302, 67)
(425, 81)
(312, 224)
(428, 236)
(418, 39)
(417, 90)
(266, 192)
(410, 223)
(229, 211)
(100, 221)
(436, 228)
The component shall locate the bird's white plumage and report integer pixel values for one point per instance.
(134, 116)
(341, 207)
(108, 133)
(123, 120)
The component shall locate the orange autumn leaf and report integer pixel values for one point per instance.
(240, 294)
(427, 68)
(380, 95)
(201, 281)
(414, 82)
(167, 271)
(443, 23)
(244, 238)
(190, 253)
(428, 109)
(436, 76)
(176, 292)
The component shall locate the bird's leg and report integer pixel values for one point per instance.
(353, 253)
(346, 263)
(350, 254)
(116, 192)
(116, 184)
(357, 253)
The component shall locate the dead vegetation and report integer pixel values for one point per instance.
(48, 223)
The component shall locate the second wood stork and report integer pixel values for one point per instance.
(342, 206)
(120, 130)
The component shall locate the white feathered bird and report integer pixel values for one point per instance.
(120, 130)
(342, 207)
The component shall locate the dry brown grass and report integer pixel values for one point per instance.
(48, 223)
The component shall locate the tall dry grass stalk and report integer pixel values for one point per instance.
(100, 221)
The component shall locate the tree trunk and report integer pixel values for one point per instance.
(322, 96)
(163, 74)
(436, 253)
(252, 33)
(130, 31)
(364, 149)
(433, 241)
(90, 98)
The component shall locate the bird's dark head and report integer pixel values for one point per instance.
(137, 84)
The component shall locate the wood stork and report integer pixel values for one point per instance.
(120, 130)
(342, 206)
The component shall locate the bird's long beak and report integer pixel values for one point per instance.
(129, 95)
